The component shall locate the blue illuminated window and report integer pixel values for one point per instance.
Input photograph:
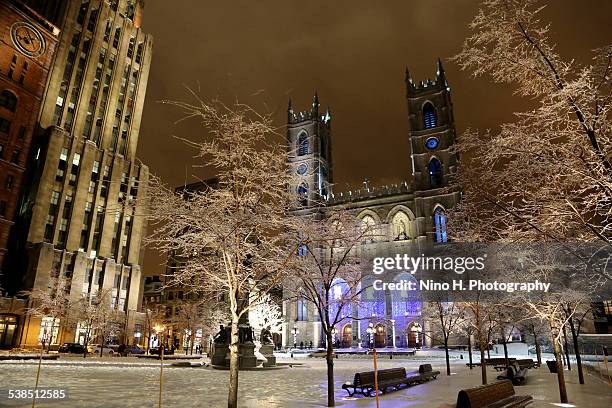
(432, 143)
(435, 173)
(440, 223)
(429, 116)
(303, 144)
(303, 194)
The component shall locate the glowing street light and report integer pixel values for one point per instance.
(371, 330)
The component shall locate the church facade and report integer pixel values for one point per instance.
(406, 217)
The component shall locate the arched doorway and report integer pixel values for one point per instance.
(347, 336)
(414, 335)
(380, 335)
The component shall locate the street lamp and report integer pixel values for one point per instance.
(295, 333)
(371, 330)
(334, 339)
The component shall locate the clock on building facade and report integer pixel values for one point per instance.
(28, 39)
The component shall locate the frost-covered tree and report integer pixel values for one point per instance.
(328, 273)
(447, 318)
(231, 237)
(547, 175)
(107, 321)
(266, 313)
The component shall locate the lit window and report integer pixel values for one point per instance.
(429, 116)
(435, 173)
(440, 224)
(303, 144)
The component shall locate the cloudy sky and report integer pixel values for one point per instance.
(353, 53)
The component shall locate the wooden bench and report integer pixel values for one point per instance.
(426, 373)
(496, 395)
(388, 380)
(527, 363)
(514, 373)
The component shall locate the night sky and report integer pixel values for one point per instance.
(353, 53)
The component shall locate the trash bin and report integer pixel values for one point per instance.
(552, 365)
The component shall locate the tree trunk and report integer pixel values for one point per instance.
(483, 366)
(232, 395)
(470, 349)
(567, 357)
(448, 370)
(537, 346)
(330, 370)
(560, 374)
(505, 347)
(102, 347)
(577, 352)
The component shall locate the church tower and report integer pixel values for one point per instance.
(309, 146)
(431, 131)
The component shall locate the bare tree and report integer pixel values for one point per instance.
(189, 317)
(51, 303)
(577, 310)
(447, 319)
(328, 273)
(154, 315)
(548, 175)
(232, 236)
(266, 313)
(107, 321)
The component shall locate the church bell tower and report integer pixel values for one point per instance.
(431, 131)
(309, 146)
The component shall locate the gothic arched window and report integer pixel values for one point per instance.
(8, 100)
(429, 116)
(401, 226)
(303, 144)
(303, 194)
(435, 173)
(368, 223)
(440, 224)
(302, 308)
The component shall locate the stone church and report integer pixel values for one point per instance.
(407, 216)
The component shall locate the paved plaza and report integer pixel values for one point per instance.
(130, 382)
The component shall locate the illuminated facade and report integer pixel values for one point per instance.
(81, 217)
(404, 217)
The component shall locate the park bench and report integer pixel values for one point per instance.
(426, 373)
(496, 395)
(527, 363)
(515, 373)
(388, 379)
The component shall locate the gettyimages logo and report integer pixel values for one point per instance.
(410, 264)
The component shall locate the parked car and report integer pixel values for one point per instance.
(75, 348)
(130, 350)
(167, 351)
(105, 350)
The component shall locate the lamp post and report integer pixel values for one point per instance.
(295, 333)
(371, 330)
(334, 338)
(160, 331)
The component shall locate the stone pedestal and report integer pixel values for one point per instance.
(246, 349)
(246, 355)
(267, 350)
(220, 355)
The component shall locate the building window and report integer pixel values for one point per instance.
(116, 37)
(607, 304)
(8, 100)
(302, 309)
(429, 116)
(92, 20)
(15, 156)
(5, 125)
(303, 144)
(22, 132)
(435, 173)
(139, 53)
(1, 151)
(2, 209)
(8, 182)
(440, 224)
(24, 71)
(130, 51)
(303, 194)
(82, 11)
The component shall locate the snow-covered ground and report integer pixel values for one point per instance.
(117, 382)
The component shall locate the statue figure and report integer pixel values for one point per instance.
(221, 336)
(266, 336)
